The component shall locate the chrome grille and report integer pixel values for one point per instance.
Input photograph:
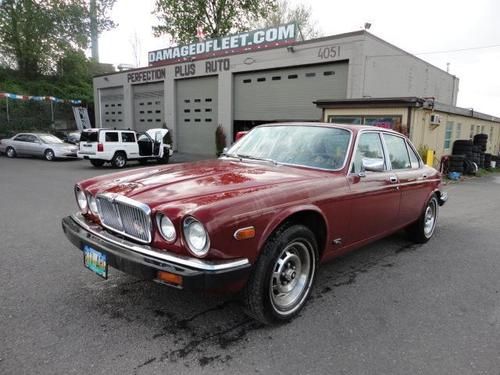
(125, 216)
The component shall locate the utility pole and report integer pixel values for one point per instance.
(94, 36)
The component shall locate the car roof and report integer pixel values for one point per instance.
(352, 128)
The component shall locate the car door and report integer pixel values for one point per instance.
(19, 143)
(35, 146)
(374, 192)
(130, 145)
(412, 176)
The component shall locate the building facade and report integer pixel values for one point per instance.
(428, 123)
(247, 86)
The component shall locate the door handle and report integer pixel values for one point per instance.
(393, 179)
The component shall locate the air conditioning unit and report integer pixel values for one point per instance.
(435, 119)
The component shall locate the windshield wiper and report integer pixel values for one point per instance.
(250, 157)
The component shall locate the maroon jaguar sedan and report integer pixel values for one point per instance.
(263, 217)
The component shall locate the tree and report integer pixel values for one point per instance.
(37, 33)
(181, 19)
(300, 14)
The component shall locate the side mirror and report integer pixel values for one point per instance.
(224, 151)
(372, 165)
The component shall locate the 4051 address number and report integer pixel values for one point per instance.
(329, 52)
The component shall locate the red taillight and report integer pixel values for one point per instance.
(100, 147)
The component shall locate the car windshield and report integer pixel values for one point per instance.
(304, 145)
(50, 139)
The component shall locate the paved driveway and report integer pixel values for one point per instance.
(390, 308)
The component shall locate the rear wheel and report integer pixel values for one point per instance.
(97, 162)
(284, 274)
(11, 153)
(423, 229)
(119, 160)
(49, 155)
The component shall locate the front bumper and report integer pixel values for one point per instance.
(442, 197)
(145, 262)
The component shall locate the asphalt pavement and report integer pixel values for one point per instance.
(389, 308)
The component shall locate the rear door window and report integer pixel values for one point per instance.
(414, 160)
(111, 137)
(128, 137)
(398, 153)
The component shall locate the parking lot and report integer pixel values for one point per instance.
(389, 308)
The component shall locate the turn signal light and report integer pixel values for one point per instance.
(244, 233)
(169, 278)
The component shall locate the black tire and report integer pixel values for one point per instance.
(420, 232)
(49, 155)
(10, 152)
(265, 295)
(97, 162)
(166, 157)
(119, 160)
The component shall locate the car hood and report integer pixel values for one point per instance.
(157, 186)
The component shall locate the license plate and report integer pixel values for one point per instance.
(95, 261)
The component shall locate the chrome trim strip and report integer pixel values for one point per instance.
(198, 264)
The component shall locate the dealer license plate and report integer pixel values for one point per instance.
(95, 261)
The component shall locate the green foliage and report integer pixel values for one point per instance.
(180, 19)
(300, 14)
(422, 151)
(36, 34)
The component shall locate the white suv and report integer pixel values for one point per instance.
(118, 146)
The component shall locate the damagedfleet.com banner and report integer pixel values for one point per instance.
(271, 37)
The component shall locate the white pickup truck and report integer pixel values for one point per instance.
(117, 146)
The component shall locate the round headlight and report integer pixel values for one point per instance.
(81, 199)
(167, 229)
(196, 237)
(92, 204)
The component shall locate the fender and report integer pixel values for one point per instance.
(278, 219)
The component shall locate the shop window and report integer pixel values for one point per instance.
(157, 102)
(197, 120)
(310, 75)
(114, 120)
(247, 81)
(119, 104)
(261, 79)
(141, 112)
(158, 111)
(458, 131)
(150, 111)
(197, 100)
(276, 78)
(187, 111)
(106, 105)
(187, 101)
(482, 129)
(208, 120)
(141, 120)
(112, 113)
(112, 105)
(107, 113)
(448, 134)
(150, 120)
(471, 133)
(350, 120)
(150, 103)
(208, 109)
(158, 120)
(197, 110)
(293, 76)
(119, 112)
(329, 73)
(187, 120)
(208, 100)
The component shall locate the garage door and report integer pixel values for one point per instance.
(196, 115)
(148, 106)
(112, 108)
(287, 94)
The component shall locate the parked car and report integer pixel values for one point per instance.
(260, 219)
(45, 145)
(119, 146)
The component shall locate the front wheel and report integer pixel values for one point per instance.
(422, 230)
(49, 155)
(283, 276)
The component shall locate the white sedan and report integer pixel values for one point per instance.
(45, 145)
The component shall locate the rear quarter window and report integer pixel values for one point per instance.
(111, 137)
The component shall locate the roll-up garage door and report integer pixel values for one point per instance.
(148, 106)
(196, 115)
(288, 94)
(112, 108)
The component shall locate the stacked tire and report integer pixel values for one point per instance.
(481, 140)
(456, 163)
(487, 161)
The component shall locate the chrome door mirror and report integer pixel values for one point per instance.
(224, 151)
(372, 164)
